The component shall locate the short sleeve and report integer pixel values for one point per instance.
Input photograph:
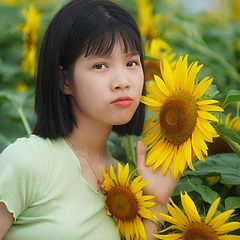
(19, 176)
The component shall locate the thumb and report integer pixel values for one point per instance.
(140, 154)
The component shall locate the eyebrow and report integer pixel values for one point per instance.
(129, 54)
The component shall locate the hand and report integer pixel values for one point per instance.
(158, 185)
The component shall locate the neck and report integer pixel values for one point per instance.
(90, 139)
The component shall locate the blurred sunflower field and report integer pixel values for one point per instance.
(176, 34)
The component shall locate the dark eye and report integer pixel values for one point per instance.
(99, 66)
(132, 64)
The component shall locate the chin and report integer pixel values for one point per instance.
(122, 121)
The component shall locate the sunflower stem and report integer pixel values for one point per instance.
(24, 121)
(23, 118)
(238, 109)
(128, 144)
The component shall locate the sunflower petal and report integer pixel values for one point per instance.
(137, 187)
(212, 108)
(155, 92)
(183, 75)
(229, 237)
(155, 152)
(168, 218)
(151, 102)
(227, 227)
(202, 87)
(123, 175)
(180, 220)
(172, 236)
(163, 155)
(220, 219)
(167, 74)
(188, 153)
(113, 175)
(196, 149)
(190, 208)
(146, 214)
(227, 119)
(175, 165)
(141, 227)
(107, 181)
(207, 115)
(168, 161)
(193, 71)
(212, 210)
(207, 102)
(181, 157)
(180, 214)
(206, 135)
(177, 73)
(161, 85)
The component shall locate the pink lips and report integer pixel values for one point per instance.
(122, 102)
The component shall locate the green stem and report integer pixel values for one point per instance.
(238, 109)
(24, 119)
(128, 144)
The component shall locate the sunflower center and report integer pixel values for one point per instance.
(178, 117)
(199, 231)
(122, 203)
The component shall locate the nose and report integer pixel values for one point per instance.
(120, 82)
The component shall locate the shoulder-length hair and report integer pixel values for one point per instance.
(80, 27)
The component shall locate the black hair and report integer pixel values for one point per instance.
(80, 27)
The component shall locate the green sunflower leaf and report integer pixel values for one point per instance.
(234, 145)
(233, 96)
(4, 97)
(185, 184)
(232, 203)
(226, 164)
(226, 132)
(207, 193)
(211, 92)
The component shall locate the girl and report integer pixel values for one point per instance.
(89, 81)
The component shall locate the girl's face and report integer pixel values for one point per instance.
(106, 88)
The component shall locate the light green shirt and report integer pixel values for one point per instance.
(41, 183)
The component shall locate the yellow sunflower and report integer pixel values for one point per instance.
(147, 20)
(126, 203)
(21, 87)
(235, 10)
(157, 48)
(233, 123)
(9, 2)
(30, 30)
(188, 225)
(180, 122)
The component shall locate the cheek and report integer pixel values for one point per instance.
(138, 83)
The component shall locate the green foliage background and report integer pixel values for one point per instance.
(212, 37)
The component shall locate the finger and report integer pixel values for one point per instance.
(140, 154)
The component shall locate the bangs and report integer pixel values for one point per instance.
(104, 42)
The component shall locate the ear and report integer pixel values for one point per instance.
(64, 81)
